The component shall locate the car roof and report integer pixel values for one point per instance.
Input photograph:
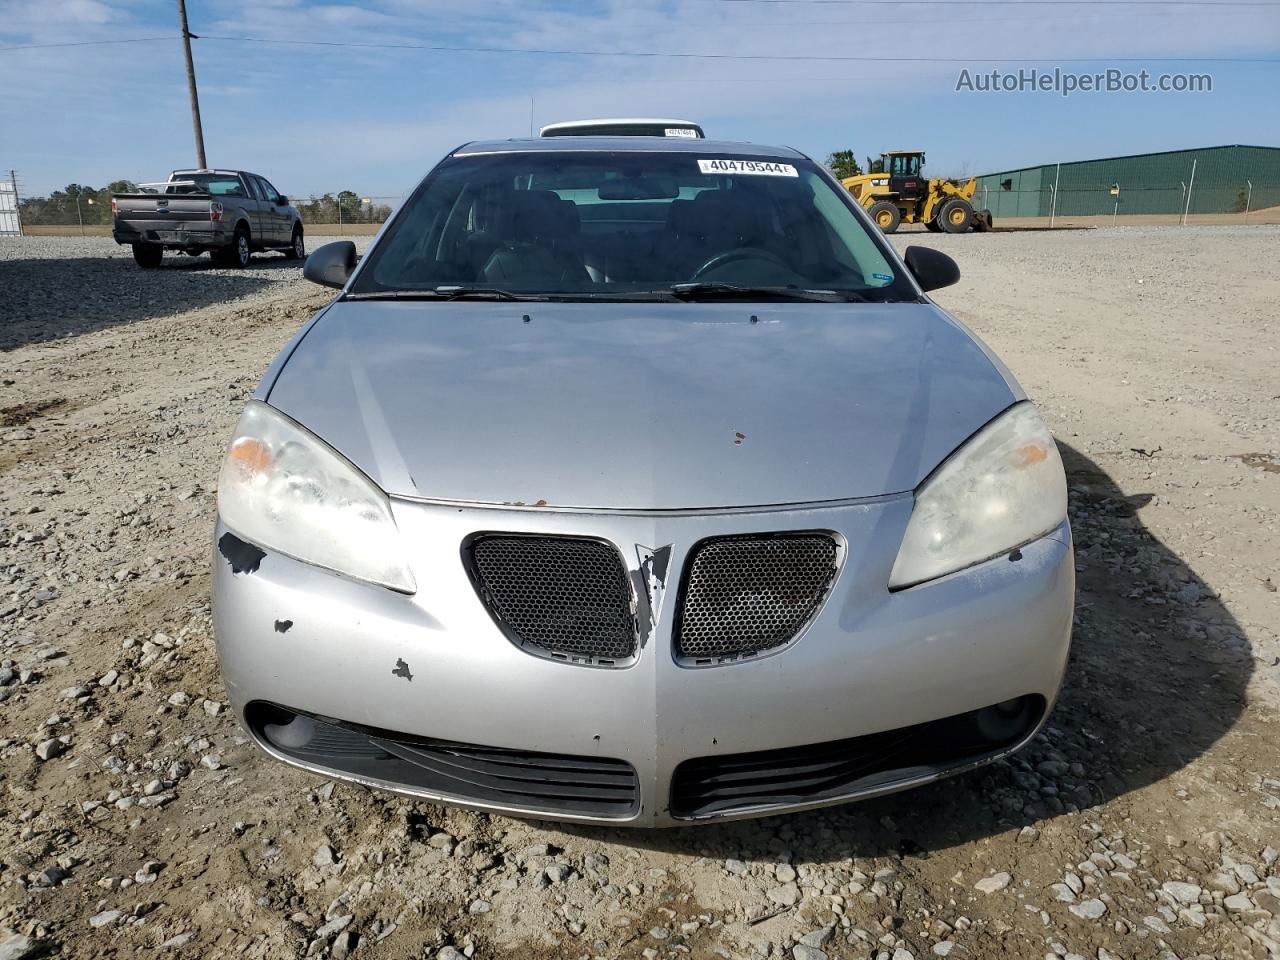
(718, 148)
(619, 121)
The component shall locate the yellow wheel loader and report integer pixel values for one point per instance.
(901, 195)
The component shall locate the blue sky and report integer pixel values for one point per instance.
(317, 118)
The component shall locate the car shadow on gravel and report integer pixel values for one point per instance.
(1157, 675)
(53, 298)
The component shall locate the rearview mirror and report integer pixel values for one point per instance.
(332, 264)
(649, 187)
(932, 269)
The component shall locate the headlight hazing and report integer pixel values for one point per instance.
(1005, 486)
(284, 489)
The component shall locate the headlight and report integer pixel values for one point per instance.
(286, 490)
(1003, 488)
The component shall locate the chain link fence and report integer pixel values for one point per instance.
(1024, 199)
(1248, 201)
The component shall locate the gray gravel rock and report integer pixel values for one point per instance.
(786, 894)
(994, 883)
(48, 749)
(17, 947)
(334, 926)
(818, 938)
(1092, 909)
(1182, 892)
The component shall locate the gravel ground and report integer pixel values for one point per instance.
(1143, 823)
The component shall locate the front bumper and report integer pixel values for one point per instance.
(434, 665)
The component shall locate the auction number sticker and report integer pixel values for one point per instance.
(760, 168)
(680, 132)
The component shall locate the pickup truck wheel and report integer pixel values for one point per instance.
(297, 248)
(237, 255)
(148, 255)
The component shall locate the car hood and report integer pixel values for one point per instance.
(641, 406)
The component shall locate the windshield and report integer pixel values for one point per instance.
(586, 225)
(216, 184)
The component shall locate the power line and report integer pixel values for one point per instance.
(653, 54)
(86, 43)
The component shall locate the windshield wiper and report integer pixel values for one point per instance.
(449, 292)
(715, 290)
(456, 292)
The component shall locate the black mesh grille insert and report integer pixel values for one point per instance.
(844, 768)
(743, 595)
(524, 779)
(568, 598)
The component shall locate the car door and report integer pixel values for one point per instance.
(277, 213)
(254, 209)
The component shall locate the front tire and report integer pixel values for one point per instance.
(886, 215)
(148, 255)
(297, 248)
(955, 216)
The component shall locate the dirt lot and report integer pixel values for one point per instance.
(1144, 822)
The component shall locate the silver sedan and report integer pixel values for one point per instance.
(639, 481)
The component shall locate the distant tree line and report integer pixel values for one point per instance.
(347, 204)
(60, 206)
(94, 206)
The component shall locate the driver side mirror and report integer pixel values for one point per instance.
(282, 200)
(932, 269)
(332, 264)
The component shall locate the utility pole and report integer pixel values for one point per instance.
(201, 162)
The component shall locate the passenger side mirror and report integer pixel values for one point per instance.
(932, 269)
(332, 264)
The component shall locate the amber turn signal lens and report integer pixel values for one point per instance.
(249, 456)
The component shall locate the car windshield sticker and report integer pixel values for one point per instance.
(680, 132)
(762, 168)
(882, 277)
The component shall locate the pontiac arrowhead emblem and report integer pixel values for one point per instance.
(654, 564)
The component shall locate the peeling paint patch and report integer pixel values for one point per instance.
(654, 564)
(243, 557)
(402, 670)
(282, 626)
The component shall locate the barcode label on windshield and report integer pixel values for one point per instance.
(760, 168)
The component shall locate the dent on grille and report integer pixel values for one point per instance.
(746, 595)
(565, 598)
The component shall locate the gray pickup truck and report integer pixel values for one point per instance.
(230, 213)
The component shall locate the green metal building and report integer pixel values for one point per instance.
(1227, 179)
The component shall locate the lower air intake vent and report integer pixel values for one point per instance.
(491, 776)
(846, 768)
(745, 595)
(558, 597)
